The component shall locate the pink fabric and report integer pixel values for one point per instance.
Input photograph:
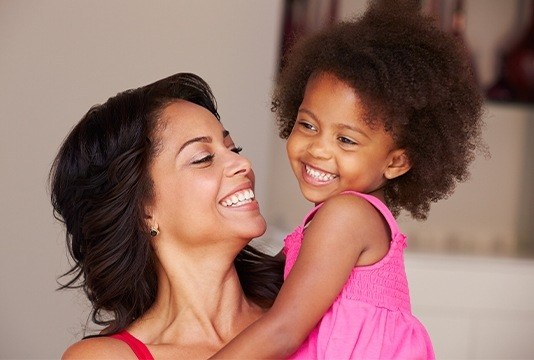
(371, 318)
(140, 349)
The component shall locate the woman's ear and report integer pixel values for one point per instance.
(149, 217)
(151, 224)
(399, 164)
(148, 213)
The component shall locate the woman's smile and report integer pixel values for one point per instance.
(241, 197)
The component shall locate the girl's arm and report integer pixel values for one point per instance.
(333, 242)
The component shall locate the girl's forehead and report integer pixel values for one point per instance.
(332, 86)
(328, 93)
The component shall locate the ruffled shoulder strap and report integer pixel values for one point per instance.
(310, 215)
(379, 205)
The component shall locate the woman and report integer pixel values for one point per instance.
(159, 209)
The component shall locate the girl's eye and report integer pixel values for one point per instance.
(346, 140)
(237, 149)
(307, 125)
(205, 159)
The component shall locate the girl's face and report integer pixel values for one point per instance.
(331, 149)
(203, 187)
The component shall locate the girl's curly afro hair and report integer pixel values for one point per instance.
(415, 80)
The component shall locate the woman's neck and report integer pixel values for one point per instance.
(199, 297)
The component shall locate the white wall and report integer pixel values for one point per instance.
(59, 57)
(491, 213)
(474, 307)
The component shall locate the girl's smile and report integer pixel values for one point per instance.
(316, 176)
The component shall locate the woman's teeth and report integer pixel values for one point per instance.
(319, 175)
(239, 198)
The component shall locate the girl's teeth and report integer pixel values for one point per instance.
(319, 175)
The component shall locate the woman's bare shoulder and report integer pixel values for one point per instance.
(98, 348)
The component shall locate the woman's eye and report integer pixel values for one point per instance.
(346, 140)
(306, 125)
(237, 149)
(205, 159)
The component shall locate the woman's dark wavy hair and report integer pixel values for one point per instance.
(414, 80)
(100, 185)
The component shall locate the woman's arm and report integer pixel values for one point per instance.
(333, 242)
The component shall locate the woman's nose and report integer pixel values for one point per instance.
(238, 164)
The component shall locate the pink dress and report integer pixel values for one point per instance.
(371, 318)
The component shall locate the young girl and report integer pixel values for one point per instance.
(381, 115)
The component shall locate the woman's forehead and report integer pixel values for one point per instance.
(185, 118)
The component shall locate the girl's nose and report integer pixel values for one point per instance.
(238, 164)
(318, 149)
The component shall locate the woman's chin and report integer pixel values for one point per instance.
(259, 228)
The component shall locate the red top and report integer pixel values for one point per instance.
(140, 349)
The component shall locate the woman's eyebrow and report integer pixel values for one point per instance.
(202, 139)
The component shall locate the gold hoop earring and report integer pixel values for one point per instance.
(154, 232)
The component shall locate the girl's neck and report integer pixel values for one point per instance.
(377, 193)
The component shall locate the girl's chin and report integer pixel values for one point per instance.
(314, 196)
(316, 201)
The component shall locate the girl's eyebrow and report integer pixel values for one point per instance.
(309, 112)
(337, 125)
(352, 128)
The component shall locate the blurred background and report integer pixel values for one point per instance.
(470, 265)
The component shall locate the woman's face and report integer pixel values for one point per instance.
(203, 187)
